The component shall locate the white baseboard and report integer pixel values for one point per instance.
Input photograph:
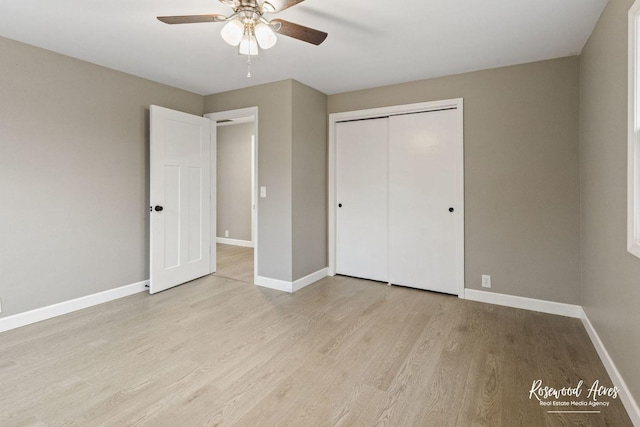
(625, 395)
(48, 312)
(550, 307)
(309, 279)
(568, 310)
(283, 285)
(279, 285)
(234, 242)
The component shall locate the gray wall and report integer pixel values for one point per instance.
(610, 275)
(274, 169)
(73, 176)
(234, 181)
(521, 171)
(292, 156)
(309, 180)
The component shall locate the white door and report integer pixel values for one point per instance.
(423, 198)
(180, 180)
(361, 195)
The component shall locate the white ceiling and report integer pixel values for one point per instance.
(371, 42)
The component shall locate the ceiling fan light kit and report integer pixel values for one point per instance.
(248, 33)
(247, 28)
(248, 45)
(265, 35)
(232, 32)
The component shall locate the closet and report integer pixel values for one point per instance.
(398, 196)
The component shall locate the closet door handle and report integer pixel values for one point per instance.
(158, 208)
(339, 205)
(451, 209)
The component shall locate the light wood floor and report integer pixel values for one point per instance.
(234, 262)
(340, 352)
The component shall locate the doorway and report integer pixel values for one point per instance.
(234, 224)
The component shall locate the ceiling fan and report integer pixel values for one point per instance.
(247, 27)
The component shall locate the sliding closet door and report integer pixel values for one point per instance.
(423, 189)
(361, 190)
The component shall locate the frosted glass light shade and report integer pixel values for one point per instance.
(265, 36)
(232, 32)
(248, 45)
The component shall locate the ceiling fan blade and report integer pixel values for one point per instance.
(191, 19)
(299, 32)
(272, 6)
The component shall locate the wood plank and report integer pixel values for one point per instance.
(343, 351)
(235, 262)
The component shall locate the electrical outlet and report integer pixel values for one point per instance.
(226, 233)
(486, 281)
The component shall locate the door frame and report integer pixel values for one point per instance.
(231, 115)
(335, 118)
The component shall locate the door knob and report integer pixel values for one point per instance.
(339, 205)
(158, 208)
(451, 209)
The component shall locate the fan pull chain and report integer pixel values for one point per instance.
(248, 66)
